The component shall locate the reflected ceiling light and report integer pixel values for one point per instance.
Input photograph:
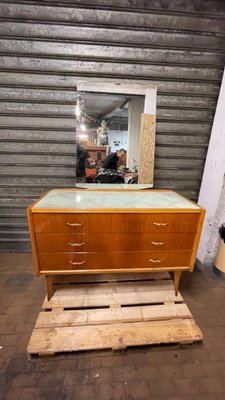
(83, 136)
(78, 110)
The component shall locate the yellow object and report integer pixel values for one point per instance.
(220, 258)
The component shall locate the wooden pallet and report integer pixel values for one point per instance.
(112, 311)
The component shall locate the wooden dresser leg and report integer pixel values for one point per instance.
(49, 281)
(177, 276)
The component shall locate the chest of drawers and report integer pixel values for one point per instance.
(78, 231)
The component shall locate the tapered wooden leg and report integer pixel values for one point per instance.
(49, 281)
(177, 277)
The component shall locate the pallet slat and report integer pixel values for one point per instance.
(105, 288)
(151, 276)
(113, 336)
(102, 300)
(112, 315)
(113, 287)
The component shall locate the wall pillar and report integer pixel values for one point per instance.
(212, 190)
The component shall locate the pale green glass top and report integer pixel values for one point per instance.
(113, 186)
(85, 199)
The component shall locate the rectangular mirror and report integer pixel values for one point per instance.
(115, 133)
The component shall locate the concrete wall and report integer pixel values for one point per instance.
(212, 192)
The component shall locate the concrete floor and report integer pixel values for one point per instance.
(195, 372)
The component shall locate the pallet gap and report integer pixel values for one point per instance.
(85, 308)
(142, 304)
(78, 283)
(140, 280)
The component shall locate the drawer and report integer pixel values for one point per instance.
(162, 223)
(115, 223)
(59, 223)
(114, 260)
(81, 242)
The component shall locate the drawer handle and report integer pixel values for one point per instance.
(157, 261)
(158, 243)
(74, 224)
(76, 244)
(77, 262)
(161, 223)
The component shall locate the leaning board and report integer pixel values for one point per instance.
(112, 311)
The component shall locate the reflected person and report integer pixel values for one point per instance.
(81, 158)
(111, 161)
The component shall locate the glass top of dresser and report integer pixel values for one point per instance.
(83, 199)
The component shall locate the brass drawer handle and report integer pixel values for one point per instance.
(76, 244)
(158, 243)
(157, 261)
(77, 262)
(74, 224)
(161, 223)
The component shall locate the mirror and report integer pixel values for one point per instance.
(115, 133)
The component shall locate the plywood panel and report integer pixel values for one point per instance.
(147, 148)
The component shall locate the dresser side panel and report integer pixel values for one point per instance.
(197, 239)
(33, 240)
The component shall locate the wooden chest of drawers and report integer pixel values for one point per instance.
(75, 231)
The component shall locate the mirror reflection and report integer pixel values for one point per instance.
(108, 137)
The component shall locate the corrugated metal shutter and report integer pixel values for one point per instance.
(47, 45)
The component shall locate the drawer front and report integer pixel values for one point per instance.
(60, 223)
(116, 223)
(81, 242)
(110, 261)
